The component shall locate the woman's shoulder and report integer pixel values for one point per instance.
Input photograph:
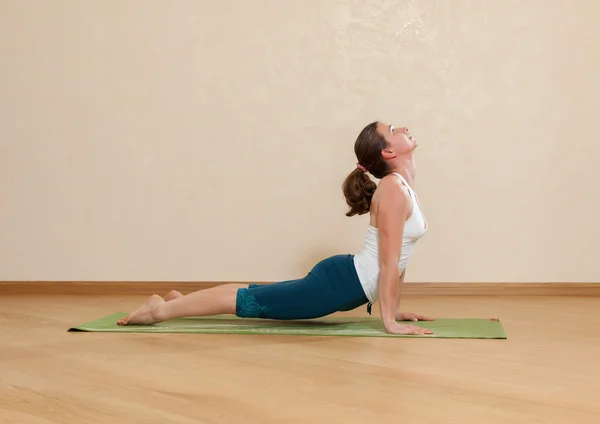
(391, 191)
(392, 183)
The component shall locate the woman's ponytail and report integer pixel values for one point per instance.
(358, 190)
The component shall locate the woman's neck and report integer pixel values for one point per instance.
(406, 168)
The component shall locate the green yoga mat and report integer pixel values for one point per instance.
(457, 328)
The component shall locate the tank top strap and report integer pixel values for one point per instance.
(413, 195)
(404, 181)
(411, 192)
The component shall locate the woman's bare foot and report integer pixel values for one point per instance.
(173, 294)
(143, 315)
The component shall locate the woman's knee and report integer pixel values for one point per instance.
(247, 306)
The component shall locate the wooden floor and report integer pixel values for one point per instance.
(548, 371)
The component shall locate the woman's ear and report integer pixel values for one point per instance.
(388, 153)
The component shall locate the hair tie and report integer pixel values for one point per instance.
(362, 168)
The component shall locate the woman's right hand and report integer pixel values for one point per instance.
(407, 329)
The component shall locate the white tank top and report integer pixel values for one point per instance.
(367, 261)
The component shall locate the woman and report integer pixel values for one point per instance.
(340, 282)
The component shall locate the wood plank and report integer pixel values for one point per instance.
(121, 288)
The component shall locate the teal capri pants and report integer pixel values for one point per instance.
(331, 286)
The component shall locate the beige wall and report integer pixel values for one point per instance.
(197, 140)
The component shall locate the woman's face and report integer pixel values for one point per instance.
(400, 141)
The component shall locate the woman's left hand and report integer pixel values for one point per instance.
(409, 316)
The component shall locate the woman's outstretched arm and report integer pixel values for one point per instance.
(391, 216)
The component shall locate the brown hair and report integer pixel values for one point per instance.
(358, 187)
